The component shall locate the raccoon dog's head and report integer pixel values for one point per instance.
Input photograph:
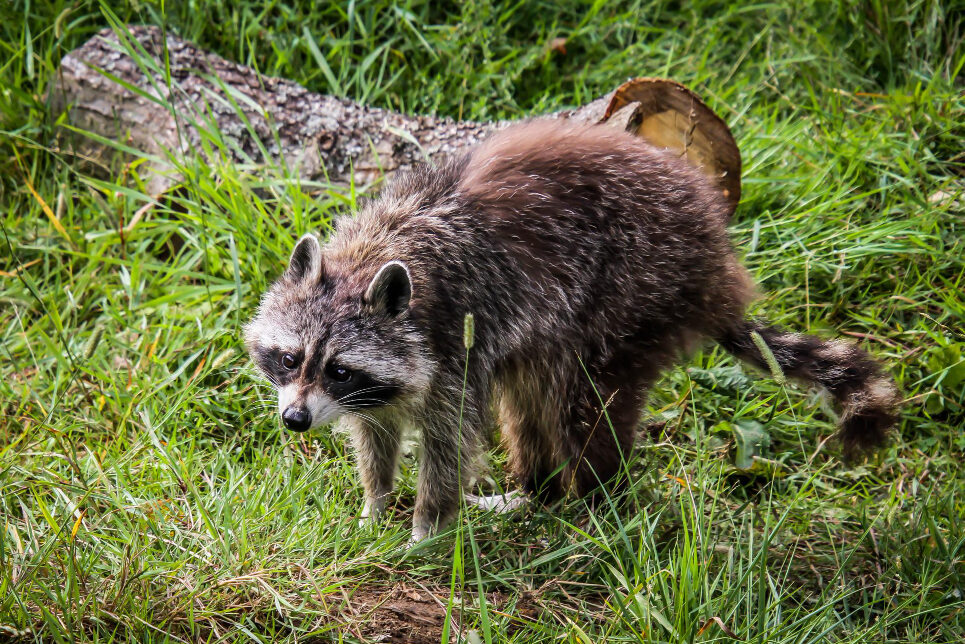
(335, 340)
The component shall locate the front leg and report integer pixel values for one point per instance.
(450, 451)
(437, 496)
(376, 442)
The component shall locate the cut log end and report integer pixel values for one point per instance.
(670, 116)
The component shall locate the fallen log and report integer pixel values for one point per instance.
(139, 89)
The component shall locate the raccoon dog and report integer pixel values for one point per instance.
(590, 261)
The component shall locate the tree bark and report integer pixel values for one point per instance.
(172, 98)
(259, 118)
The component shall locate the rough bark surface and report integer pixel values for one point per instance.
(173, 99)
(318, 136)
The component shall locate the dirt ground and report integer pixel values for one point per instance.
(403, 614)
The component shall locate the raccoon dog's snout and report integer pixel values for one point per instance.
(297, 419)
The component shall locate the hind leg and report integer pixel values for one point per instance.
(534, 461)
(529, 425)
(600, 431)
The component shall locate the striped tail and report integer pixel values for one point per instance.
(867, 396)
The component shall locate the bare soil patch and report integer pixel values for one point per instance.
(399, 614)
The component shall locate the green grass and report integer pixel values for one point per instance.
(147, 493)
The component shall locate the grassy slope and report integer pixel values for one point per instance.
(145, 488)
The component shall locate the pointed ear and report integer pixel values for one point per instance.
(390, 289)
(306, 260)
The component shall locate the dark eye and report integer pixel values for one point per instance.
(338, 373)
(289, 361)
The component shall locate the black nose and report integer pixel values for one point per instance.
(297, 419)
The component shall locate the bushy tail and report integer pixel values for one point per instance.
(868, 397)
